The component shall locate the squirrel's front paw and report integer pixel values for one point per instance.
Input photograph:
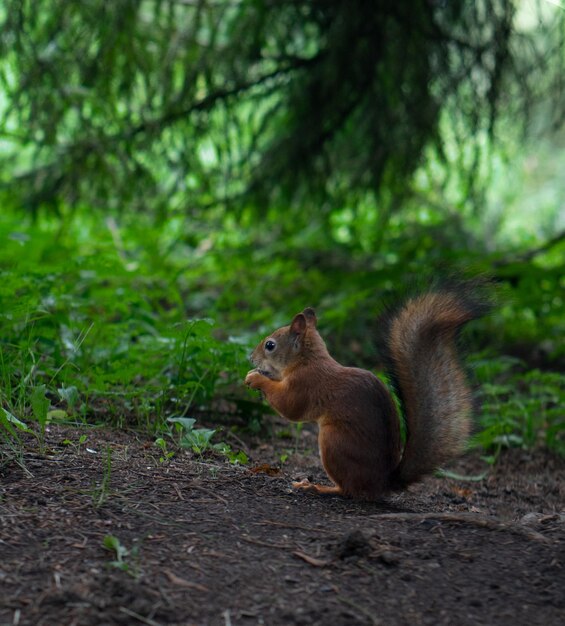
(253, 379)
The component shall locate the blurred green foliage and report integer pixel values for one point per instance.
(310, 106)
(178, 178)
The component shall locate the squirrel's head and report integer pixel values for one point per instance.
(289, 345)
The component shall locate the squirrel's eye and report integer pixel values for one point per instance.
(270, 345)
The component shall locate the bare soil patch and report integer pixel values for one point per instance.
(212, 543)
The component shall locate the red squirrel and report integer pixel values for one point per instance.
(359, 431)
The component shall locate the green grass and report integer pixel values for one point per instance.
(89, 337)
(132, 325)
(520, 408)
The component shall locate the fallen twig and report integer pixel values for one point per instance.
(181, 582)
(138, 617)
(310, 559)
(208, 491)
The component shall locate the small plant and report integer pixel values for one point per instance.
(166, 454)
(235, 457)
(10, 427)
(125, 560)
(69, 442)
(199, 440)
(101, 492)
(40, 408)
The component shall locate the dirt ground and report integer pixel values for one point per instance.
(212, 543)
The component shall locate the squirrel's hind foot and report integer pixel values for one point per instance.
(306, 485)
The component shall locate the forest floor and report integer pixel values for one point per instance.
(202, 541)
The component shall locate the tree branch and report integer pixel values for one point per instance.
(528, 255)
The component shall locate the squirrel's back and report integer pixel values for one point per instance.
(420, 350)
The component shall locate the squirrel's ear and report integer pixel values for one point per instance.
(298, 324)
(310, 316)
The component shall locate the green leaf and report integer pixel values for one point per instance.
(40, 404)
(13, 420)
(112, 543)
(56, 414)
(70, 395)
(187, 423)
(197, 439)
(239, 458)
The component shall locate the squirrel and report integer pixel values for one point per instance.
(359, 426)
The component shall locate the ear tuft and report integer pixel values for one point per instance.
(310, 316)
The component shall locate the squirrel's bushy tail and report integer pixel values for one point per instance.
(419, 345)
